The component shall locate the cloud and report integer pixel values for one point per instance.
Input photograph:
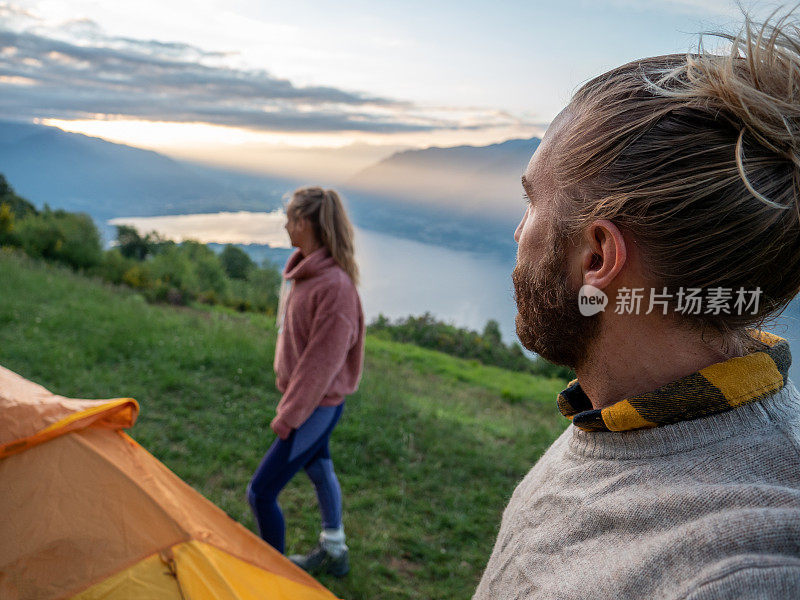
(76, 71)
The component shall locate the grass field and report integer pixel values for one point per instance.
(428, 450)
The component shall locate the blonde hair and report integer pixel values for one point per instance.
(325, 211)
(698, 157)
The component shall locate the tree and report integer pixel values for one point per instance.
(5, 188)
(18, 206)
(491, 332)
(236, 262)
(131, 244)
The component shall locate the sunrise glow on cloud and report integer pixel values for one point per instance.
(253, 84)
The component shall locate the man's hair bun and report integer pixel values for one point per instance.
(757, 85)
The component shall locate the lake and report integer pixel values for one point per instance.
(401, 277)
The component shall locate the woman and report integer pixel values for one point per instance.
(318, 359)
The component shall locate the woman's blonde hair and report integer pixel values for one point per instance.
(325, 211)
(698, 157)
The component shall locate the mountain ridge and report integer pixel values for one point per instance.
(467, 194)
(104, 179)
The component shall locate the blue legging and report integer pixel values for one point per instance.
(306, 447)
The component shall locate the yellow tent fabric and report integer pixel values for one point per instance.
(88, 513)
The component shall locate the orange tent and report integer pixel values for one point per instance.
(88, 513)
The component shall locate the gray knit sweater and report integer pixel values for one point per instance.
(701, 509)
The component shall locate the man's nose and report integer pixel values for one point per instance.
(518, 231)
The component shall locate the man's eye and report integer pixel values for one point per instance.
(526, 198)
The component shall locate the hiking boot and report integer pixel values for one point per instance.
(320, 560)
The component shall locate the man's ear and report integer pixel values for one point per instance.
(603, 253)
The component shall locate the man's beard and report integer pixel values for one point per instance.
(548, 319)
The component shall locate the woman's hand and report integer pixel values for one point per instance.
(281, 429)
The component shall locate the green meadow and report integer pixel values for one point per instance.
(428, 450)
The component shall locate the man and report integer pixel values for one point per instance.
(663, 227)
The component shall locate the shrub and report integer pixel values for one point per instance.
(7, 236)
(173, 268)
(211, 278)
(486, 347)
(69, 238)
(162, 270)
(262, 289)
(180, 273)
(547, 369)
(136, 277)
(114, 266)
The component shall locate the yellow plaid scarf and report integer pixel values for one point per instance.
(715, 389)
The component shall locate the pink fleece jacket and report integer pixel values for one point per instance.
(320, 351)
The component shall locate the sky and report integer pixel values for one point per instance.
(316, 86)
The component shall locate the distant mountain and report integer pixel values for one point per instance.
(80, 173)
(468, 197)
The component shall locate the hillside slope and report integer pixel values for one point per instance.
(428, 451)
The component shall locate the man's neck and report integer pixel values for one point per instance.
(627, 362)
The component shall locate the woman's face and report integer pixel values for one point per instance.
(293, 227)
(298, 228)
